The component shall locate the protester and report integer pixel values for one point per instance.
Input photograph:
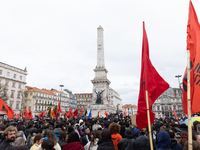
(142, 143)
(19, 142)
(37, 141)
(184, 138)
(105, 143)
(85, 136)
(9, 136)
(63, 139)
(195, 145)
(163, 140)
(92, 145)
(174, 145)
(127, 143)
(73, 142)
(96, 125)
(2, 128)
(115, 130)
(48, 145)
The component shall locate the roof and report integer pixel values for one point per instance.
(129, 105)
(83, 94)
(34, 89)
(57, 92)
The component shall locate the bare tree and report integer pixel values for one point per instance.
(4, 92)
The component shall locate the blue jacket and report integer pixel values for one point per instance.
(163, 140)
(175, 146)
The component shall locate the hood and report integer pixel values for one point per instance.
(142, 142)
(173, 143)
(163, 139)
(115, 136)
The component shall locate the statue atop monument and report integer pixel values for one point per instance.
(99, 101)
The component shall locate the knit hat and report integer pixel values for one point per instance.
(106, 133)
(128, 133)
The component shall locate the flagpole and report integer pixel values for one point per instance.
(149, 124)
(189, 103)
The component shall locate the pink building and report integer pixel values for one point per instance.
(15, 80)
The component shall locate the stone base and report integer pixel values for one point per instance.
(100, 108)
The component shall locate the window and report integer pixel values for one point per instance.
(158, 108)
(29, 108)
(11, 103)
(1, 72)
(20, 78)
(20, 85)
(17, 105)
(7, 82)
(35, 108)
(13, 85)
(30, 94)
(18, 95)
(30, 101)
(111, 97)
(25, 101)
(8, 74)
(14, 76)
(12, 94)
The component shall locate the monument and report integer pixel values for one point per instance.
(100, 94)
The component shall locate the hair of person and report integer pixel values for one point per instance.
(51, 136)
(96, 120)
(2, 127)
(48, 144)
(73, 137)
(171, 133)
(39, 130)
(114, 128)
(61, 125)
(37, 138)
(62, 136)
(46, 125)
(45, 132)
(195, 145)
(19, 141)
(195, 123)
(19, 134)
(198, 127)
(96, 134)
(9, 129)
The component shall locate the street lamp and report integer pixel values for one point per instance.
(178, 76)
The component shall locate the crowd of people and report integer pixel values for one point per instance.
(113, 133)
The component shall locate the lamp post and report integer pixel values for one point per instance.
(178, 76)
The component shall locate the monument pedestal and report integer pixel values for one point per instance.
(101, 108)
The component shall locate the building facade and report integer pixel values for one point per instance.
(72, 100)
(167, 101)
(131, 109)
(83, 100)
(115, 99)
(14, 79)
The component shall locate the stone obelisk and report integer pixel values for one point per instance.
(100, 81)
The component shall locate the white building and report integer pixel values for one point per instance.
(131, 109)
(167, 101)
(115, 99)
(14, 79)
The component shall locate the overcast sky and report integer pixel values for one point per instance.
(57, 41)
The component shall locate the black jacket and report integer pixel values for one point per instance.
(174, 145)
(4, 145)
(126, 144)
(105, 144)
(85, 139)
(61, 143)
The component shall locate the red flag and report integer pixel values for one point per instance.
(59, 108)
(98, 114)
(17, 115)
(124, 113)
(82, 110)
(175, 115)
(46, 112)
(66, 114)
(150, 81)
(193, 45)
(6, 109)
(70, 113)
(106, 114)
(75, 113)
(41, 114)
(25, 114)
(30, 114)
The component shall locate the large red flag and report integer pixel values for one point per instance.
(106, 114)
(82, 110)
(193, 45)
(41, 114)
(70, 113)
(175, 115)
(6, 109)
(150, 81)
(59, 108)
(124, 113)
(75, 112)
(25, 114)
(30, 114)
(17, 115)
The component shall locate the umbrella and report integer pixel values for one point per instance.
(193, 119)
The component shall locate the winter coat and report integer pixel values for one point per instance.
(142, 143)
(175, 146)
(85, 139)
(126, 144)
(93, 146)
(105, 144)
(163, 140)
(73, 146)
(95, 127)
(61, 143)
(34, 147)
(57, 147)
(4, 144)
(116, 138)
